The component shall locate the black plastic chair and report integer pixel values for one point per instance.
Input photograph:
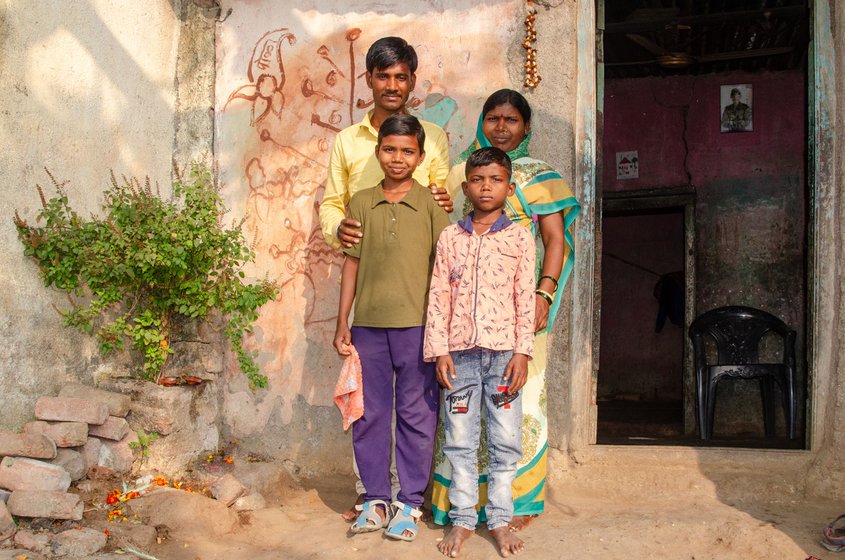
(737, 332)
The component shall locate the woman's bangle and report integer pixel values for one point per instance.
(545, 295)
(552, 278)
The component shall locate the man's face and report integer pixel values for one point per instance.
(391, 86)
(736, 97)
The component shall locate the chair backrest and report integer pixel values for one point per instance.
(737, 331)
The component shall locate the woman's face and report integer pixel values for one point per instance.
(504, 127)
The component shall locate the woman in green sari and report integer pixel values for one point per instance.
(544, 203)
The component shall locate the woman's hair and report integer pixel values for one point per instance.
(511, 97)
(402, 125)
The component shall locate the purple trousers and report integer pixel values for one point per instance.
(392, 366)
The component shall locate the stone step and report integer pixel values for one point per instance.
(64, 434)
(36, 446)
(52, 505)
(18, 473)
(118, 404)
(64, 409)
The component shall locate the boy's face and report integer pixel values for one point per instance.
(399, 156)
(391, 86)
(487, 187)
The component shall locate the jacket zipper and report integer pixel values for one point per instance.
(475, 295)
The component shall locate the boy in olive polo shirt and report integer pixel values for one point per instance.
(387, 276)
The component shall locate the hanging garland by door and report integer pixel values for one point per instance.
(532, 75)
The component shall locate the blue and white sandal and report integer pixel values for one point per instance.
(404, 519)
(369, 519)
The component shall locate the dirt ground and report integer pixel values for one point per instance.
(613, 511)
(579, 523)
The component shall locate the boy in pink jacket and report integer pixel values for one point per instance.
(480, 331)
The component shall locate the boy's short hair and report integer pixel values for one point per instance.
(388, 51)
(486, 156)
(402, 125)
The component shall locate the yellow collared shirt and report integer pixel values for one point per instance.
(353, 167)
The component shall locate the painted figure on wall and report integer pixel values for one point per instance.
(279, 121)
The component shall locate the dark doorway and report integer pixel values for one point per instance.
(640, 391)
(709, 98)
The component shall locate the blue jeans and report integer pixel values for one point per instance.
(479, 374)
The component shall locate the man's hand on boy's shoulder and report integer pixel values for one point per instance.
(441, 196)
(516, 372)
(445, 369)
(349, 232)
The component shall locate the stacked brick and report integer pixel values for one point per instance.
(82, 432)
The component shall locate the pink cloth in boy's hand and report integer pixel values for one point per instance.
(349, 391)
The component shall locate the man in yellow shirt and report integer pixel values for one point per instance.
(391, 66)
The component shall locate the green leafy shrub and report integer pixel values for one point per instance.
(146, 262)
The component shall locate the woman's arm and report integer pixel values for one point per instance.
(551, 231)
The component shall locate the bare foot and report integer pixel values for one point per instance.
(520, 522)
(351, 514)
(451, 545)
(507, 542)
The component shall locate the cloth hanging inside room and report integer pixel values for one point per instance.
(669, 291)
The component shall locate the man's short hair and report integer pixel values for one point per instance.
(402, 125)
(736, 91)
(486, 156)
(388, 51)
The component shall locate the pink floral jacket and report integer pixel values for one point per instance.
(482, 290)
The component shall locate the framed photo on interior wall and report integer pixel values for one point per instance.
(736, 103)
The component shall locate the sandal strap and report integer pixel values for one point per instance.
(834, 534)
(402, 526)
(406, 510)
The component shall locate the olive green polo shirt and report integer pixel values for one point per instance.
(396, 255)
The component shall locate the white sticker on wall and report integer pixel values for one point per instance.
(627, 165)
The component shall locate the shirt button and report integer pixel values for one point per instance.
(393, 219)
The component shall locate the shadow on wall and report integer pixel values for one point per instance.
(85, 90)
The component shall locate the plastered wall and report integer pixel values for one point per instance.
(85, 86)
(273, 139)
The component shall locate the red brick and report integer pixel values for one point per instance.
(36, 446)
(117, 456)
(73, 462)
(91, 452)
(118, 404)
(115, 428)
(64, 409)
(82, 542)
(228, 489)
(7, 524)
(29, 474)
(52, 505)
(30, 540)
(64, 434)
